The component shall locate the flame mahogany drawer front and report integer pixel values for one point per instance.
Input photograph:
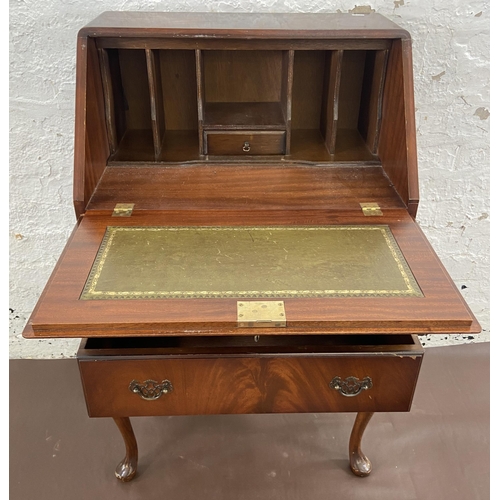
(186, 377)
(246, 142)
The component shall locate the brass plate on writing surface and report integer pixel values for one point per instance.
(256, 313)
(249, 262)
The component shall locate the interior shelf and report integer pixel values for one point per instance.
(238, 188)
(309, 145)
(177, 146)
(243, 115)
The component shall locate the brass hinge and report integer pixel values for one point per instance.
(261, 314)
(370, 209)
(123, 209)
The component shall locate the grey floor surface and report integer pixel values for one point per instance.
(438, 451)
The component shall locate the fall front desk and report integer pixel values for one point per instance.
(246, 188)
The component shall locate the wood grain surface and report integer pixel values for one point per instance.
(275, 53)
(259, 187)
(397, 147)
(60, 311)
(248, 25)
(219, 383)
(245, 142)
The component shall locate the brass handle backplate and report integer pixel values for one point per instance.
(350, 386)
(246, 146)
(151, 389)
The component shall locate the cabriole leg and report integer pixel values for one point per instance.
(360, 465)
(126, 469)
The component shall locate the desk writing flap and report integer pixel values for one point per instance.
(153, 274)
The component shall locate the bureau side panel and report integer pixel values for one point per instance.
(91, 137)
(397, 145)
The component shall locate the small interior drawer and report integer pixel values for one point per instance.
(235, 375)
(245, 142)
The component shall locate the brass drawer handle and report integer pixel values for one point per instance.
(151, 389)
(246, 146)
(351, 386)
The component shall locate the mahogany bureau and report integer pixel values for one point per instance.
(246, 187)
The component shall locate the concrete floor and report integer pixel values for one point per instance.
(438, 451)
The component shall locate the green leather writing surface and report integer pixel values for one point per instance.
(249, 262)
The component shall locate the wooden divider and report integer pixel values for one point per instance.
(156, 99)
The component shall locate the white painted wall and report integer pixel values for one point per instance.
(451, 71)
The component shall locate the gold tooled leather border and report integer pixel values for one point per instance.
(90, 293)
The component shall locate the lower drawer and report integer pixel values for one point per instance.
(245, 142)
(285, 375)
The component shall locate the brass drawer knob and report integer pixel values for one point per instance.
(246, 146)
(151, 389)
(351, 386)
